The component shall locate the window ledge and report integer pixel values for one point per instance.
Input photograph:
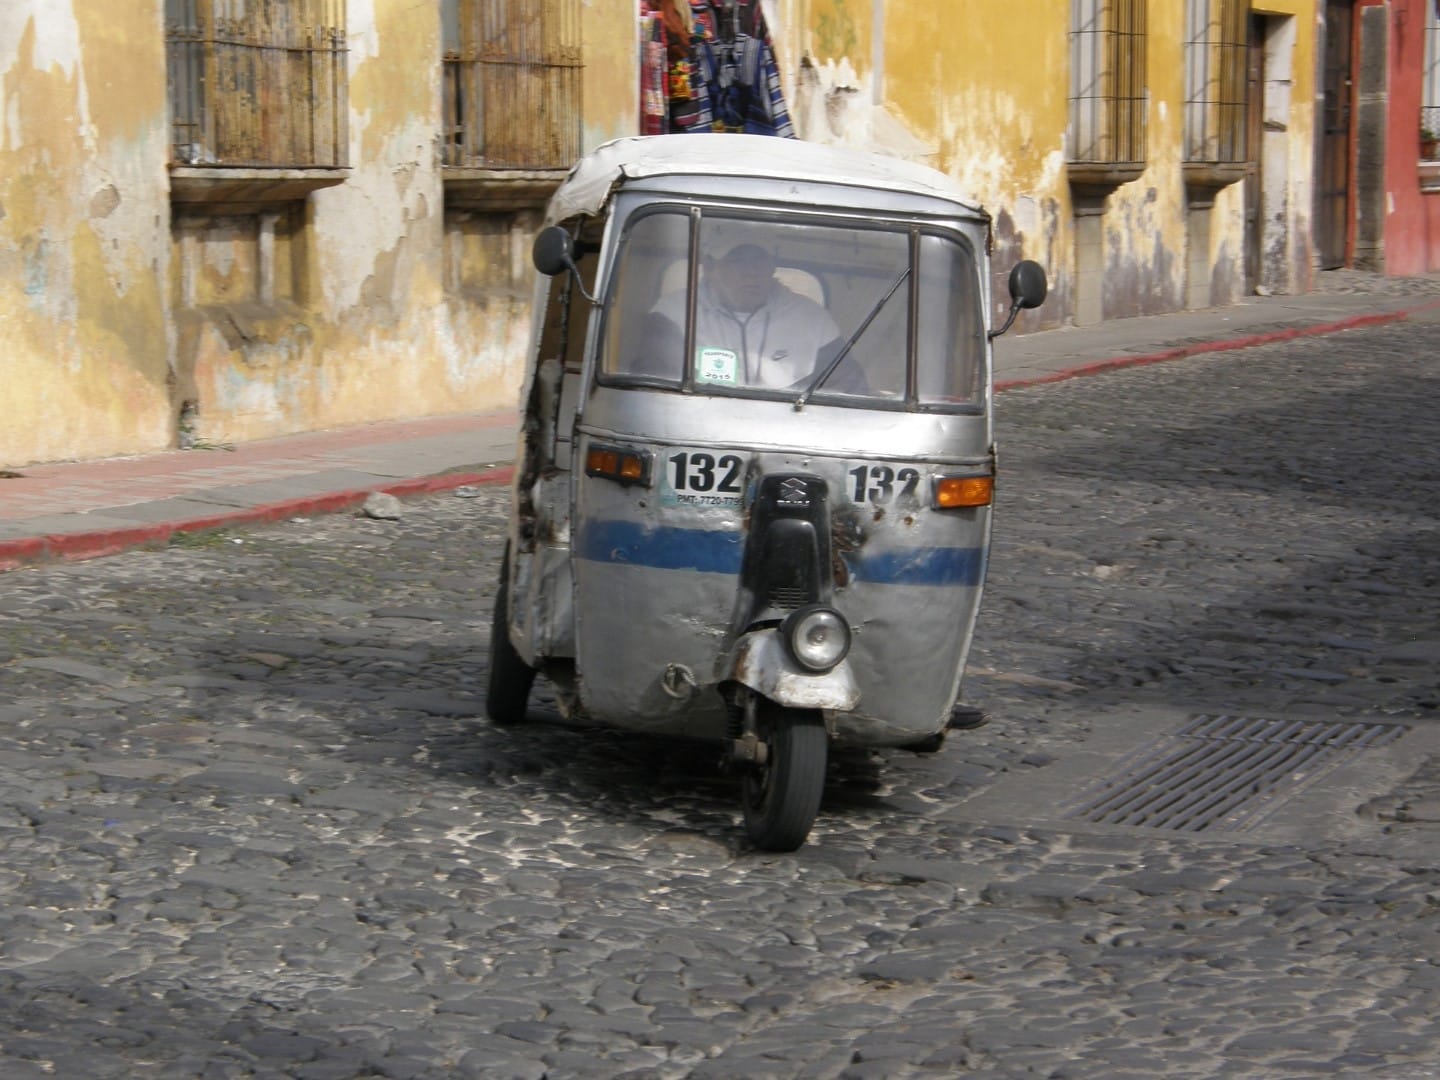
(469, 188)
(205, 184)
(1204, 178)
(1429, 175)
(1092, 182)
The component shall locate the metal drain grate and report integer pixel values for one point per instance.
(1219, 773)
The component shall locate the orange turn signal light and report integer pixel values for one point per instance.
(957, 491)
(617, 463)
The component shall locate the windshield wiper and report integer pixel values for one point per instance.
(819, 379)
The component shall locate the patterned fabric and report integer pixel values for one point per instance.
(653, 89)
(724, 78)
(736, 59)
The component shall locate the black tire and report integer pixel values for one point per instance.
(782, 797)
(507, 692)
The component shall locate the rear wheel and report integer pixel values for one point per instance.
(782, 797)
(508, 690)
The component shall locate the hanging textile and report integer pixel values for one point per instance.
(709, 65)
(672, 98)
(736, 60)
(654, 90)
(689, 95)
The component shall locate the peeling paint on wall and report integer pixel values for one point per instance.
(981, 92)
(374, 298)
(85, 368)
(123, 309)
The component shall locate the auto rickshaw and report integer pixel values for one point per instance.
(736, 532)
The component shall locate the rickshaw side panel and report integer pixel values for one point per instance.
(542, 617)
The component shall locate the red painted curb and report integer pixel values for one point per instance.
(1246, 341)
(16, 553)
(77, 547)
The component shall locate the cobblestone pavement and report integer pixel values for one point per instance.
(1369, 283)
(253, 826)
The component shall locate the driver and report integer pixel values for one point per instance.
(750, 328)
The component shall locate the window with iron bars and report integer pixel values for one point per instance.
(1215, 57)
(1107, 81)
(257, 83)
(1430, 85)
(511, 83)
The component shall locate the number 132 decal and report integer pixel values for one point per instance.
(881, 483)
(698, 478)
(695, 478)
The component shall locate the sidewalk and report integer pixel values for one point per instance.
(82, 510)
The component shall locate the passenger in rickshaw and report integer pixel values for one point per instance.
(751, 329)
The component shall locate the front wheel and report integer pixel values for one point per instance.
(782, 797)
(508, 690)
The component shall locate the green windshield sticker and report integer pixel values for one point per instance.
(721, 366)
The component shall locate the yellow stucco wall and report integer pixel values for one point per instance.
(82, 262)
(405, 312)
(612, 74)
(360, 331)
(979, 90)
(118, 307)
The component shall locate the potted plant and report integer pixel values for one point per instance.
(1429, 144)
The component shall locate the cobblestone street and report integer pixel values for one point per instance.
(254, 825)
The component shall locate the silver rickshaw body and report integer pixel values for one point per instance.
(666, 567)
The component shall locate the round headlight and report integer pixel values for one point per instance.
(818, 637)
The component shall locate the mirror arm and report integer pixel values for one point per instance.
(554, 251)
(579, 284)
(1014, 310)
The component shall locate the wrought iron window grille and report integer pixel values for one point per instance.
(1215, 81)
(1107, 82)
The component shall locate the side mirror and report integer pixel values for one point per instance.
(554, 251)
(1027, 284)
(1028, 289)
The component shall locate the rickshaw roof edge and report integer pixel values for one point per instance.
(592, 179)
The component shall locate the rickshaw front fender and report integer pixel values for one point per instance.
(762, 663)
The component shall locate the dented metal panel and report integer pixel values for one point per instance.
(762, 664)
(543, 614)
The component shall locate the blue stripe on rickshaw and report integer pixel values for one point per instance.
(624, 542)
(919, 566)
(718, 552)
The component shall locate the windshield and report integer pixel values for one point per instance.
(767, 306)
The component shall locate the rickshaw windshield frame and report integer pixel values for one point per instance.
(755, 301)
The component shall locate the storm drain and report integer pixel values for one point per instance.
(1221, 773)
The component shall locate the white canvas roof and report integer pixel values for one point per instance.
(763, 157)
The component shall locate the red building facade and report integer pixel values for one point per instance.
(1381, 108)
